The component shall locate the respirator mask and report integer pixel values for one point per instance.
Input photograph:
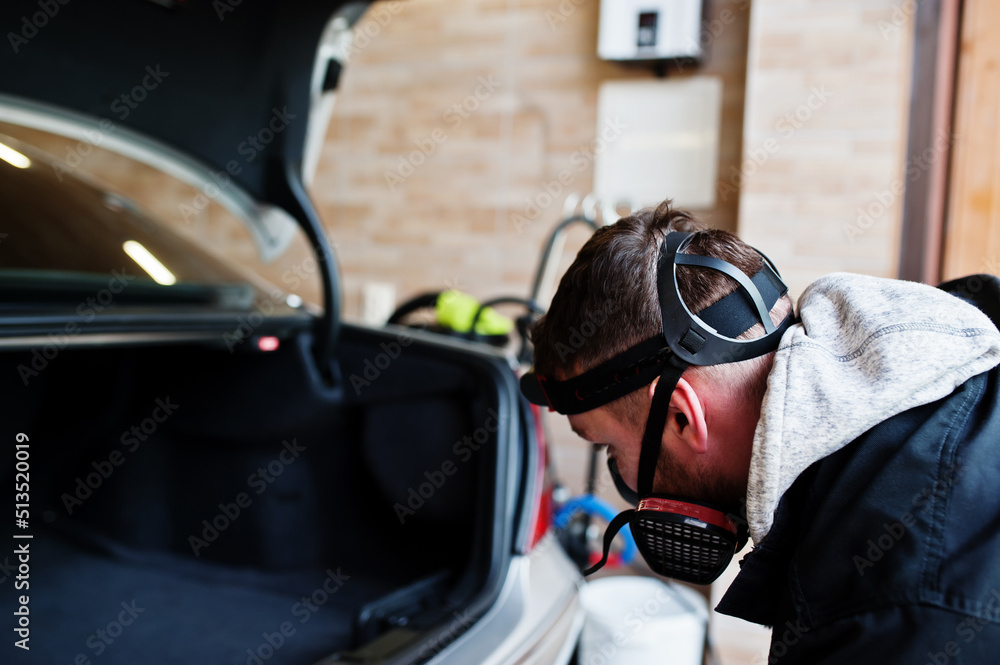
(678, 537)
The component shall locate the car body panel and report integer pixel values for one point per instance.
(537, 618)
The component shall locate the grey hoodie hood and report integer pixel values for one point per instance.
(866, 349)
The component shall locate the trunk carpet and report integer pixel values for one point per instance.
(116, 606)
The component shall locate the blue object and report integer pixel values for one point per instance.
(592, 505)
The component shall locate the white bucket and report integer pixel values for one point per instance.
(640, 620)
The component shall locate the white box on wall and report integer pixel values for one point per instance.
(649, 29)
(658, 139)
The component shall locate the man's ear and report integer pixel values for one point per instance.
(686, 416)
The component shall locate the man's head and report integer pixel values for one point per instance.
(607, 302)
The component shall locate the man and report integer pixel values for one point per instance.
(863, 438)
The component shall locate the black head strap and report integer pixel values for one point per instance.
(692, 338)
(749, 288)
(628, 371)
(705, 338)
(736, 313)
(657, 420)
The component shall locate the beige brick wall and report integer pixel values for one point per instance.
(502, 96)
(825, 135)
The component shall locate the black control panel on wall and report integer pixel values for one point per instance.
(646, 35)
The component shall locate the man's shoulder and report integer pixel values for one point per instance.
(906, 513)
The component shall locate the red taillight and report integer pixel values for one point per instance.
(543, 517)
(541, 507)
(268, 343)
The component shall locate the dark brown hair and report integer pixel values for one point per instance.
(607, 301)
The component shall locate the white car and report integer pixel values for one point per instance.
(206, 468)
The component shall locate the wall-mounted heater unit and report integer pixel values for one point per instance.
(650, 30)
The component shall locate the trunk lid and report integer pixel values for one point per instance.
(225, 85)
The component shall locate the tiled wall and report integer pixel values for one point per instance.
(825, 134)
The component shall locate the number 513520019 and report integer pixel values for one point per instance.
(21, 480)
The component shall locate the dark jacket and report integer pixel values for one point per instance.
(888, 551)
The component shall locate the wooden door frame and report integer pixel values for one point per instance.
(936, 41)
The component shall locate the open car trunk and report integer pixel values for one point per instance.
(195, 505)
(352, 495)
